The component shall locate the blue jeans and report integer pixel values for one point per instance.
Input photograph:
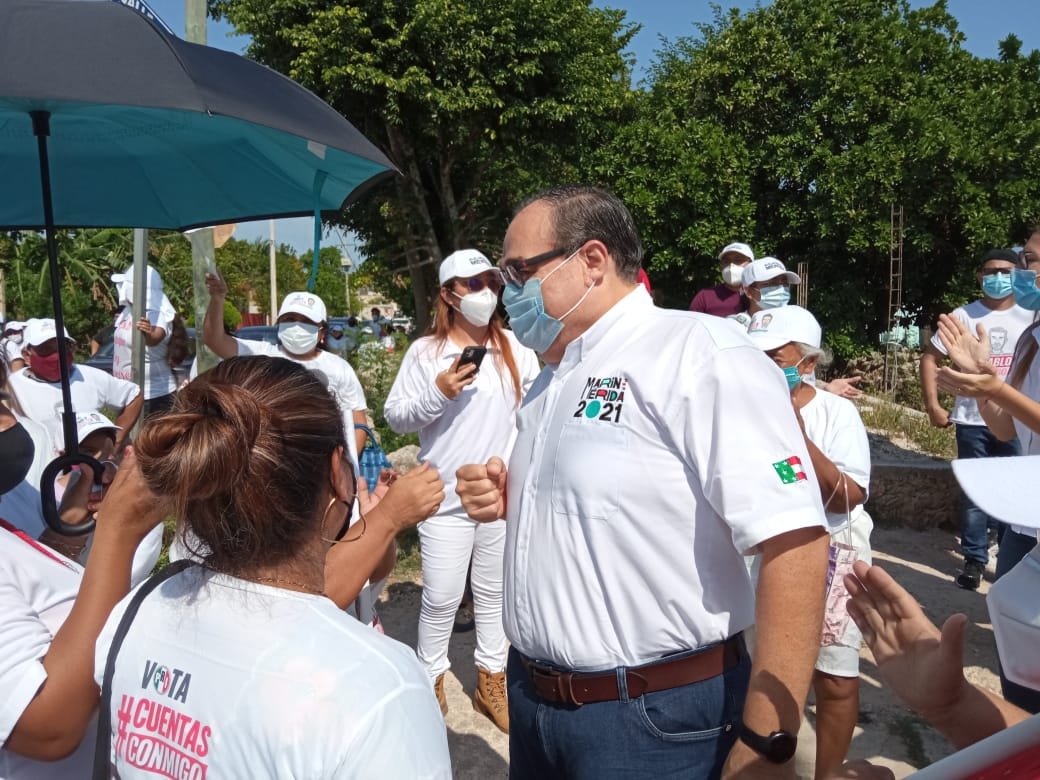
(683, 732)
(975, 441)
(1013, 548)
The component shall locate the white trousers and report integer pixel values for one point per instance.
(448, 544)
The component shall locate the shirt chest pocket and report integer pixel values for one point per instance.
(589, 470)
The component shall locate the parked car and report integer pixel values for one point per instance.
(268, 333)
(102, 359)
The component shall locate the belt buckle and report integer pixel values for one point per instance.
(560, 684)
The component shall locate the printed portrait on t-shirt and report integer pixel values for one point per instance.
(998, 341)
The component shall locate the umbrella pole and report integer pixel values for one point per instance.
(41, 121)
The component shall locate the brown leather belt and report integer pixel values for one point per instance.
(561, 687)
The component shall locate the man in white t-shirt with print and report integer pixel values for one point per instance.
(1004, 321)
(38, 386)
(639, 478)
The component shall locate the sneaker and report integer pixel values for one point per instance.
(971, 577)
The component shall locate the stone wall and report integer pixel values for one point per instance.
(918, 493)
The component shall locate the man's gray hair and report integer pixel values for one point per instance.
(582, 213)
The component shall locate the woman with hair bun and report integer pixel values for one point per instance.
(241, 666)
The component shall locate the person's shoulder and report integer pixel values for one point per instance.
(976, 310)
(835, 407)
(718, 332)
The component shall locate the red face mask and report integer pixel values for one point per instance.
(46, 367)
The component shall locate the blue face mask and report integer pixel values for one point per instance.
(527, 317)
(997, 286)
(1023, 286)
(774, 297)
(792, 376)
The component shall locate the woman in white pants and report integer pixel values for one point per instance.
(464, 414)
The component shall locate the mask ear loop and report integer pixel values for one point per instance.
(345, 528)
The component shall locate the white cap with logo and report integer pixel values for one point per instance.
(89, 422)
(465, 263)
(38, 331)
(741, 249)
(772, 328)
(766, 268)
(306, 304)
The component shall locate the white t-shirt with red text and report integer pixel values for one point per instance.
(222, 677)
(1004, 327)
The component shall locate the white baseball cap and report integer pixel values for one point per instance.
(465, 263)
(772, 328)
(766, 268)
(739, 248)
(37, 331)
(986, 481)
(305, 304)
(89, 422)
(14, 326)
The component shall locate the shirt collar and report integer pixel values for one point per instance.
(633, 304)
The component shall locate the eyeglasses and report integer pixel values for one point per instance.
(476, 284)
(517, 272)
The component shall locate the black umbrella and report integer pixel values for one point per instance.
(106, 120)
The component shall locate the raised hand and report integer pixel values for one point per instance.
(923, 665)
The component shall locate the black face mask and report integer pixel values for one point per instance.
(16, 456)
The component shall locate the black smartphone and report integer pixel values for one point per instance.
(474, 355)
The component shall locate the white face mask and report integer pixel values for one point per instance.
(298, 338)
(1012, 603)
(478, 307)
(732, 274)
(15, 338)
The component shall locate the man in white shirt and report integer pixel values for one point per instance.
(1004, 321)
(38, 386)
(640, 477)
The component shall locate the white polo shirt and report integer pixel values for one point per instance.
(478, 423)
(92, 390)
(1004, 328)
(659, 451)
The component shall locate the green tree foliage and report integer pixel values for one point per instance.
(478, 102)
(88, 258)
(815, 117)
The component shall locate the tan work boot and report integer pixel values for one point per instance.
(438, 689)
(490, 698)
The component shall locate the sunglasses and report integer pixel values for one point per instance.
(476, 284)
(517, 272)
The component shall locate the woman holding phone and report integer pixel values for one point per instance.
(459, 387)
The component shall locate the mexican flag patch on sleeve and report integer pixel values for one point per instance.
(790, 470)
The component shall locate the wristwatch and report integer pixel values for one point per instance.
(777, 748)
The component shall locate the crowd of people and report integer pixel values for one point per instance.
(660, 515)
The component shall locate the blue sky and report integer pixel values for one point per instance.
(983, 22)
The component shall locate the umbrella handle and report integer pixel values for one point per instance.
(50, 504)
